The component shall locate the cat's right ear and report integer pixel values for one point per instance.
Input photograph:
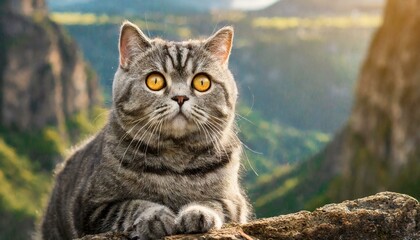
(132, 42)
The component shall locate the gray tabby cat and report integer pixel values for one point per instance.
(167, 161)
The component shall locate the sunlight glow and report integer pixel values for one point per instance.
(280, 23)
(251, 4)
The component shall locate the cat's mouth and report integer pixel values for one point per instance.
(180, 122)
(181, 114)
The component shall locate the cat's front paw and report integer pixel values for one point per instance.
(154, 223)
(197, 219)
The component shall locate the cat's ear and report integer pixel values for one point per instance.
(220, 44)
(132, 42)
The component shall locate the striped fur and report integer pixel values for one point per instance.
(151, 172)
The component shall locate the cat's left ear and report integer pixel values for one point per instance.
(132, 42)
(220, 44)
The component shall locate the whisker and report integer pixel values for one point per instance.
(160, 131)
(246, 119)
(135, 122)
(154, 126)
(217, 135)
(143, 136)
(246, 155)
(249, 163)
(122, 159)
(200, 128)
(150, 120)
(100, 115)
(150, 137)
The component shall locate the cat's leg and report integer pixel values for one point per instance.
(138, 218)
(202, 216)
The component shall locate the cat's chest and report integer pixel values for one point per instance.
(181, 185)
(176, 179)
(178, 190)
(178, 161)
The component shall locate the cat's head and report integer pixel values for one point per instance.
(175, 89)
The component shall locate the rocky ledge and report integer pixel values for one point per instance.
(382, 216)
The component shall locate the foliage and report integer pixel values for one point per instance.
(83, 124)
(271, 144)
(26, 162)
(43, 147)
(282, 23)
(22, 187)
(283, 190)
(23, 191)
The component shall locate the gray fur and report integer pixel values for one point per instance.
(152, 172)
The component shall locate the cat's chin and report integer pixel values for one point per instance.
(179, 122)
(179, 126)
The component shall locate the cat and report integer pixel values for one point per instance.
(168, 159)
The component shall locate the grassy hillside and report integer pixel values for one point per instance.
(27, 160)
(270, 144)
(291, 188)
(22, 193)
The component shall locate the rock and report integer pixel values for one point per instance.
(43, 77)
(24, 7)
(386, 215)
(386, 112)
(108, 236)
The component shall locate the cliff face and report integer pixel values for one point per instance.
(388, 95)
(24, 7)
(378, 148)
(44, 86)
(42, 75)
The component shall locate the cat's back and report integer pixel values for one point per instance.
(70, 180)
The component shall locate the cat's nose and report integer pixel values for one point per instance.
(180, 99)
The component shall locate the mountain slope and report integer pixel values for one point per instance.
(376, 151)
(47, 94)
(321, 7)
(43, 77)
(136, 7)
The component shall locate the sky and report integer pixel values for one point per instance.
(252, 4)
(236, 4)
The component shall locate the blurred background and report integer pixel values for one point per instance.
(328, 106)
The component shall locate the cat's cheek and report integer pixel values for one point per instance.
(223, 110)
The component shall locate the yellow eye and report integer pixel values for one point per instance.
(201, 83)
(155, 81)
